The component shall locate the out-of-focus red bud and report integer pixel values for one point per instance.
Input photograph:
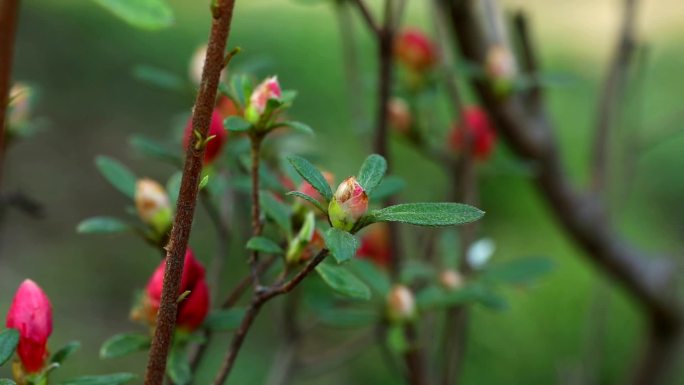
(399, 115)
(214, 145)
(401, 305)
(267, 90)
(375, 245)
(481, 134)
(415, 50)
(348, 205)
(306, 187)
(451, 279)
(191, 310)
(31, 314)
(226, 107)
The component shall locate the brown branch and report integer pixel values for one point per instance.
(528, 131)
(368, 17)
(185, 209)
(255, 139)
(611, 95)
(9, 15)
(259, 299)
(530, 62)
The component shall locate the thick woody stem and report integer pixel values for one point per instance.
(187, 200)
(9, 15)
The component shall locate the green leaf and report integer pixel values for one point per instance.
(343, 281)
(296, 126)
(158, 77)
(519, 271)
(311, 175)
(177, 365)
(428, 214)
(7, 381)
(101, 225)
(390, 185)
(276, 210)
(203, 182)
(117, 174)
(154, 150)
(236, 124)
(264, 244)
(8, 343)
(146, 14)
(309, 199)
(341, 244)
(224, 320)
(371, 172)
(434, 297)
(107, 379)
(173, 187)
(64, 353)
(124, 344)
(242, 87)
(396, 339)
(370, 273)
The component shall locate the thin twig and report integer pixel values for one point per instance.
(257, 226)
(166, 317)
(611, 95)
(259, 299)
(9, 15)
(368, 17)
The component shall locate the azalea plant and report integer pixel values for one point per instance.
(331, 244)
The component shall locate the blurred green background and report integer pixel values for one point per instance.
(82, 59)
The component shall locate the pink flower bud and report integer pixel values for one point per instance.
(348, 205)
(479, 128)
(214, 145)
(31, 314)
(451, 279)
(193, 309)
(267, 90)
(152, 204)
(401, 305)
(375, 245)
(415, 50)
(399, 115)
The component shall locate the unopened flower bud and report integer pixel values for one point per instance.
(501, 68)
(197, 65)
(475, 129)
(267, 90)
(451, 279)
(153, 205)
(401, 305)
(215, 144)
(19, 108)
(399, 115)
(348, 205)
(192, 309)
(415, 50)
(31, 315)
(375, 245)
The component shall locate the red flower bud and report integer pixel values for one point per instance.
(375, 245)
(193, 309)
(481, 134)
(214, 145)
(31, 315)
(348, 205)
(415, 50)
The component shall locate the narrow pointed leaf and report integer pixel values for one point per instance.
(145, 14)
(343, 282)
(101, 225)
(124, 344)
(519, 271)
(309, 199)
(63, 353)
(371, 172)
(311, 175)
(8, 343)
(276, 210)
(265, 245)
(117, 174)
(107, 379)
(297, 126)
(178, 366)
(428, 214)
(224, 320)
(341, 244)
(236, 124)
